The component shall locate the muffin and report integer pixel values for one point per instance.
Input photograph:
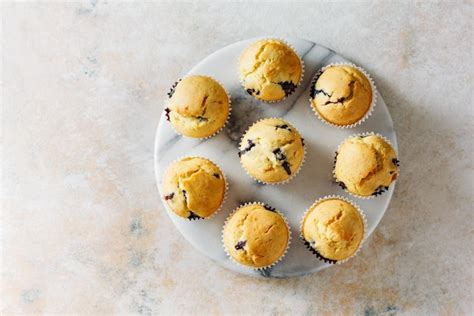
(255, 235)
(366, 165)
(333, 229)
(341, 95)
(270, 70)
(198, 107)
(271, 151)
(194, 187)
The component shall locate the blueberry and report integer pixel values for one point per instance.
(284, 126)
(193, 215)
(288, 87)
(381, 189)
(250, 145)
(342, 185)
(173, 89)
(167, 113)
(269, 208)
(396, 162)
(280, 156)
(240, 245)
(311, 247)
(287, 168)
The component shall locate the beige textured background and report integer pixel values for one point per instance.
(83, 230)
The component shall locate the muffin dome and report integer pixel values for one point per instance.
(366, 165)
(256, 236)
(342, 95)
(194, 187)
(271, 150)
(270, 70)
(198, 106)
(333, 228)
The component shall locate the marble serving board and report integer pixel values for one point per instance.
(313, 181)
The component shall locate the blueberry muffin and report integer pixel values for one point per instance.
(333, 229)
(194, 187)
(256, 235)
(271, 150)
(341, 95)
(270, 70)
(198, 106)
(366, 165)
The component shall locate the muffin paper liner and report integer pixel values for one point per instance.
(372, 104)
(335, 158)
(172, 90)
(314, 251)
(241, 79)
(294, 174)
(249, 267)
(226, 190)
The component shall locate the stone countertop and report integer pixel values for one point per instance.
(83, 228)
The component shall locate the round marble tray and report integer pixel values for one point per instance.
(313, 181)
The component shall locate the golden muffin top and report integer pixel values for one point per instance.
(271, 150)
(256, 235)
(334, 228)
(366, 165)
(341, 95)
(194, 187)
(198, 106)
(270, 70)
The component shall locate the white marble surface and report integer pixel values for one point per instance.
(83, 229)
(313, 182)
